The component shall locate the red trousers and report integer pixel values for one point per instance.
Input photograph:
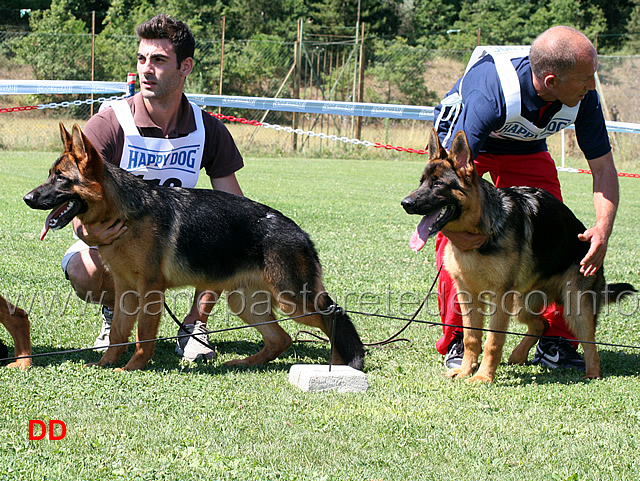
(533, 170)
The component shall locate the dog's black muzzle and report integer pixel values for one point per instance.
(36, 200)
(409, 204)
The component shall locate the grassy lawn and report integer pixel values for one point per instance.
(181, 421)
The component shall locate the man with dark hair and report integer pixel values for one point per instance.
(177, 32)
(508, 102)
(144, 134)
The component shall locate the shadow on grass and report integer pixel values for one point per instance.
(165, 358)
(311, 353)
(613, 363)
(618, 363)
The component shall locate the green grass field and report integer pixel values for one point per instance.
(180, 421)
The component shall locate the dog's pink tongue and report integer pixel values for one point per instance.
(45, 228)
(53, 214)
(421, 234)
(416, 242)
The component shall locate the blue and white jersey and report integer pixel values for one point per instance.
(496, 105)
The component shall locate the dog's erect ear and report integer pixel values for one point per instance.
(434, 148)
(66, 138)
(460, 151)
(89, 161)
(78, 142)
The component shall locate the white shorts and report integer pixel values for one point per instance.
(74, 249)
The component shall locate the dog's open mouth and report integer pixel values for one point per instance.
(61, 216)
(429, 226)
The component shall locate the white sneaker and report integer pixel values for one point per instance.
(195, 346)
(102, 341)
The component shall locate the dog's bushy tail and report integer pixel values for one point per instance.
(615, 292)
(346, 340)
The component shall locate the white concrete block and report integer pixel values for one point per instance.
(315, 378)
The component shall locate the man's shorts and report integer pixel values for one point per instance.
(74, 249)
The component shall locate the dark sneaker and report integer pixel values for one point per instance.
(196, 345)
(455, 353)
(102, 341)
(557, 352)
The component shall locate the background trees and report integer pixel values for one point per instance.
(449, 24)
(401, 37)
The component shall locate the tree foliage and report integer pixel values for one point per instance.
(55, 33)
(259, 36)
(400, 66)
(451, 24)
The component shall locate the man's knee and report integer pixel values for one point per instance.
(88, 277)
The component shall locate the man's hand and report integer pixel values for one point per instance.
(598, 249)
(99, 233)
(465, 241)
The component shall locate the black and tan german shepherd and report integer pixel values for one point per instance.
(532, 248)
(17, 323)
(199, 237)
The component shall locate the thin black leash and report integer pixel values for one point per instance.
(168, 338)
(366, 314)
(496, 331)
(369, 314)
(392, 338)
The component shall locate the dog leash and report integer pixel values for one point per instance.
(390, 339)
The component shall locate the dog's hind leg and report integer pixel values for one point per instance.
(520, 353)
(17, 323)
(256, 306)
(582, 322)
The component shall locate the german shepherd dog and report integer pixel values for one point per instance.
(532, 248)
(204, 238)
(17, 323)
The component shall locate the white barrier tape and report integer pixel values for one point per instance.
(36, 87)
(22, 87)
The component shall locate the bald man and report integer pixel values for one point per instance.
(508, 102)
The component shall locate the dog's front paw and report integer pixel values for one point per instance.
(457, 373)
(20, 364)
(480, 378)
(126, 369)
(111, 356)
(101, 363)
(593, 374)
